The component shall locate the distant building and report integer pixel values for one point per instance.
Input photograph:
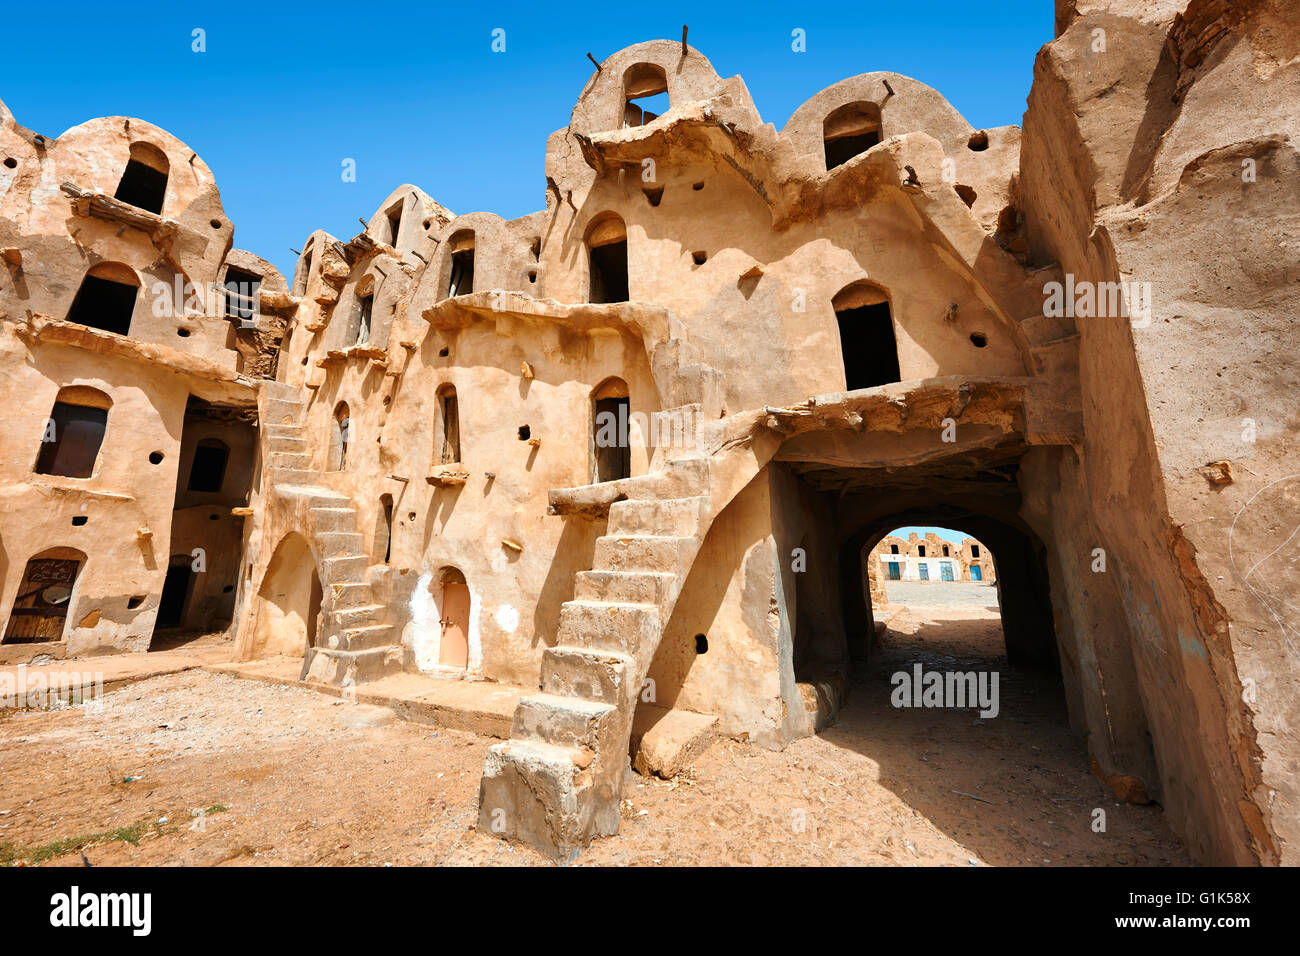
(931, 558)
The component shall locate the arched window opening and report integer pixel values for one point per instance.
(40, 609)
(383, 551)
(645, 94)
(176, 592)
(453, 649)
(461, 246)
(852, 129)
(303, 271)
(208, 470)
(340, 438)
(607, 253)
(612, 450)
(867, 340)
(144, 181)
(73, 433)
(393, 219)
(365, 315)
(106, 298)
(241, 294)
(448, 425)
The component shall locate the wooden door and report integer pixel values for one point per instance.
(453, 651)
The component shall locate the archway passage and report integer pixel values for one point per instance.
(983, 713)
(288, 603)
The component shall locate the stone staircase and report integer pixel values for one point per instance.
(557, 783)
(352, 643)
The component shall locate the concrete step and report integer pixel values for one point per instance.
(350, 569)
(582, 672)
(354, 617)
(672, 517)
(338, 544)
(368, 637)
(351, 595)
(302, 477)
(281, 430)
(643, 553)
(334, 519)
(278, 411)
(609, 627)
(561, 721)
(340, 667)
(292, 461)
(315, 496)
(291, 445)
(280, 390)
(545, 796)
(630, 587)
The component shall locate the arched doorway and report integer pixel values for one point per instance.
(611, 448)
(288, 602)
(607, 259)
(867, 341)
(40, 609)
(453, 646)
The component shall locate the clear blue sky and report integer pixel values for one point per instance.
(414, 93)
(946, 533)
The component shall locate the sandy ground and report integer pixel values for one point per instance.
(290, 777)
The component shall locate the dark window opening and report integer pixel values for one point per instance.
(645, 94)
(365, 314)
(867, 341)
(974, 550)
(613, 449)
(701, 644)
(70, 444)
(384, 529)
(945, 551)
(893, 549)
(104, 304)
(394, 224)
(142, 186)
(340, 438)
(699, 258)
(241, 294)
(979, 141)
(208, 470)
(848, 131)
(979, 339)
(134, 602)
(449, 411)
(525, 433)
(79, 520)
(920, 551)
(653, 194)
(175, 592)
(462, 270)
(609, 272)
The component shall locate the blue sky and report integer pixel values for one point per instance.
(946, 533)
(414, 93)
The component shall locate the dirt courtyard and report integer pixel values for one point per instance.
(199, 768)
